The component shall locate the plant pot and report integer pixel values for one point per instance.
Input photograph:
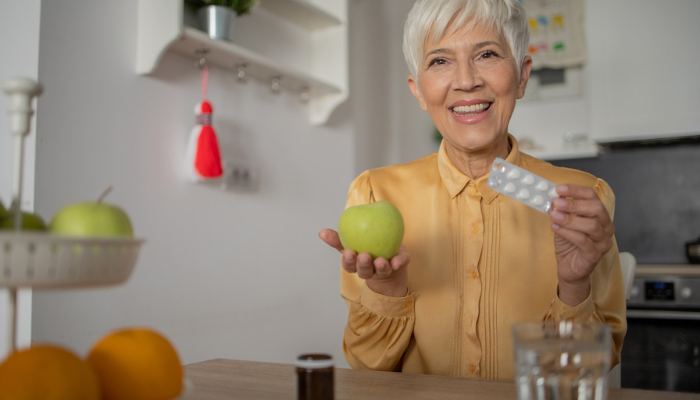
(217, 21)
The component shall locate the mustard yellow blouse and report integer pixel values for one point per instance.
(480, 262)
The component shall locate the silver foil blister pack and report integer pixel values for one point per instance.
(522, 185)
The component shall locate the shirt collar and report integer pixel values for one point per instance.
(455, 181)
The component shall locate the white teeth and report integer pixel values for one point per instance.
(471, 108)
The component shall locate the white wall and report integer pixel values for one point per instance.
(390, 126)
(414, 129)
(223, 274)
(370, 89)
(19, 46)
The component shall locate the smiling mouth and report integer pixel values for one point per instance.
(472, 110)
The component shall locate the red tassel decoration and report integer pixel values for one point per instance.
(203, 155)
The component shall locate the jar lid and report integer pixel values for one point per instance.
(314, 361)
(692, 242)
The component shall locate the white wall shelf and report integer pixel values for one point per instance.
(302, 43)
(228, 55)
(303, 13)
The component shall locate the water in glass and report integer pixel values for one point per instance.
(555, 366)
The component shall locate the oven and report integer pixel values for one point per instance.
(661, 350)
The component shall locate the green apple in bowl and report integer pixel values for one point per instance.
(30, 221)
(91, 219)
(3, 210)
(376, 228)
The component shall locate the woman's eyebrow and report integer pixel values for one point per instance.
(436, 51)
(475, 46)
(484, 44)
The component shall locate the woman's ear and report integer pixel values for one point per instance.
(525, 70)
(416, 92)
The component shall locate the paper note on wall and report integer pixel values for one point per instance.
(557, 35)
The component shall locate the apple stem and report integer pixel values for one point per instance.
(104, 194)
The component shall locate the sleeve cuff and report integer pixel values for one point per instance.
(581, 312)
(386, 305)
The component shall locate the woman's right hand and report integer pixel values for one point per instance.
(386, 277)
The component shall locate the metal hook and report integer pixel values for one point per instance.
(275, 84)
(201, 53)
(305, 94)
(240, 76)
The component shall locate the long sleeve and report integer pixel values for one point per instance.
(480, 262)
(379, 328)
(605, 304)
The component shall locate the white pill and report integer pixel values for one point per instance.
(538, 200)
(522, 185)
(528, 179)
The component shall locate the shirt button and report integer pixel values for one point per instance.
(475, 228)
(472, 368)
(474, 275)
(408, 304)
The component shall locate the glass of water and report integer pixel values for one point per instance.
(561, 360)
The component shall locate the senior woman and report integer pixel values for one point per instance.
(474, 262)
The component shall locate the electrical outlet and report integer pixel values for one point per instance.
(239, 176)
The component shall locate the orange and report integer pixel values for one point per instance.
(47, 372)
(136, 364)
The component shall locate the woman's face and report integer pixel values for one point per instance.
(468, 83)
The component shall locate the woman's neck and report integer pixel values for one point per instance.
(476, 164)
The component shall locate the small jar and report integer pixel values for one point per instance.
(314, 377)
(692, 251)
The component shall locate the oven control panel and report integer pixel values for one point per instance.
(665, 292)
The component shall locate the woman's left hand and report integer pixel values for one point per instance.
(583, 233)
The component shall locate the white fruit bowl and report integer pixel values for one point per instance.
(43, 260)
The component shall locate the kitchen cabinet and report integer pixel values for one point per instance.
(301, 43)
(640, 81)
(643, 68)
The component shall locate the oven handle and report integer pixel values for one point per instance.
(656, 314)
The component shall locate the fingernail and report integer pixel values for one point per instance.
(563, 189)
(555, 227)
(558, 216)
(348, 258)
(559, 202)
(364, 262)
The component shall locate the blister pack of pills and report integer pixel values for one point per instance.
(522, 185)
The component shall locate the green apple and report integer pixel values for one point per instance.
(375, 228)
(3, 210)
(30, 222)
(91, 219)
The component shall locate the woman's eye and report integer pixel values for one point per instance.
(437, 61)
(488, 54)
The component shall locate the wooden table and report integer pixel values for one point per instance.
(230, 379)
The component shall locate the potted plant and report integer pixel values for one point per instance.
(216, 16)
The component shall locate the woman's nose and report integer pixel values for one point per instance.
(467, 77)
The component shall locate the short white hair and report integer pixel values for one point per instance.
(437, 16)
